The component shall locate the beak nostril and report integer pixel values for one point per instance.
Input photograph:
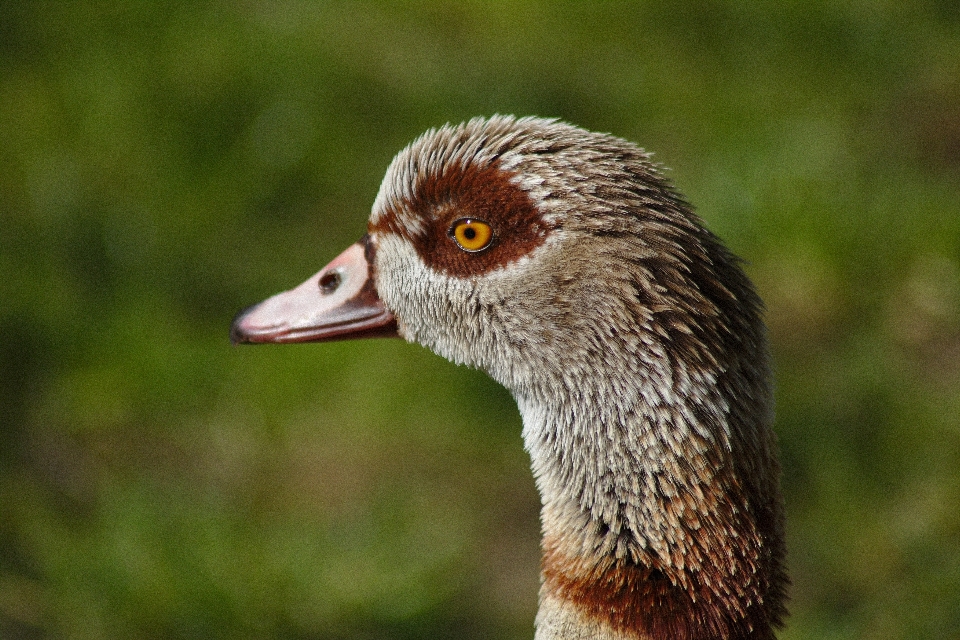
(330, 282)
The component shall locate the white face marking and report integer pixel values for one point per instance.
(465, 320)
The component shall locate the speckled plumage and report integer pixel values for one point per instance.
(635, 348)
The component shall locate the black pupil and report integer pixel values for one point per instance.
(469, 233)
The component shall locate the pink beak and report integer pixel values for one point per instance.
(338, 303)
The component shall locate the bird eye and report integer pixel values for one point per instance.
(472, 235)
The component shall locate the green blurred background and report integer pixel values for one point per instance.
(166, 163)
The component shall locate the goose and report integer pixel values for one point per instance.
(563, 264)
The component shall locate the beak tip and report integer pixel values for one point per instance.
(237, 333)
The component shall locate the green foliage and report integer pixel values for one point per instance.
(166, 163)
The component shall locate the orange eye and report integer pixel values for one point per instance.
(472, 235)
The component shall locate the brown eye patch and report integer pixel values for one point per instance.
(458, 193)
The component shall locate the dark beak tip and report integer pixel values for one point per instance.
(237, 334)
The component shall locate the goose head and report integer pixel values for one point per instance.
(564, 265)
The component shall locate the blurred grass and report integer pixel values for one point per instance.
(166, 163)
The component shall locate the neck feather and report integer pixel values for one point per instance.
(661, 512)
